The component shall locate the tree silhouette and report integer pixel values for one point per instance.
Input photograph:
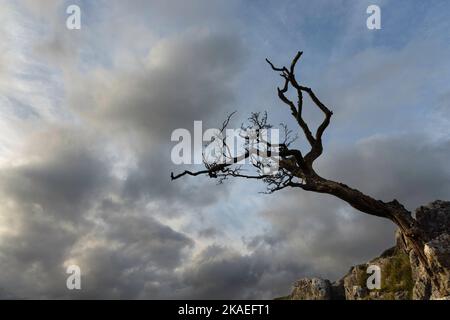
(296, 169)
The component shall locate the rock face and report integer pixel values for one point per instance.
(402, 276)
(396, 278)
(434, 219)
(311, 289)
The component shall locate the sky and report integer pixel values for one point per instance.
(86, 118)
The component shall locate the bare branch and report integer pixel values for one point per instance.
(294, 61)
(282, 69)
(315, 141)
(186, 172)
(227, 121)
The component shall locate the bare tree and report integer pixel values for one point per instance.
(296, 169)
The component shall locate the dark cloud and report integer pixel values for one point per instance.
(59, 208)
(185, 78)
(150, 180)
(132, 256)
(409, 167)
(209, 232)
(62, 174)
(221, 273)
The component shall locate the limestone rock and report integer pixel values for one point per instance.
(434, 219)
(311, 289)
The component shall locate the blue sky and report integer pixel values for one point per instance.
(86, 117)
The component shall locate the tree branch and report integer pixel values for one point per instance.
(290, 78)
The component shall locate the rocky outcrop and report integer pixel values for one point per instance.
(396, 278)
(402, 276)
(316, 289)
(434, 219)
(311, 289)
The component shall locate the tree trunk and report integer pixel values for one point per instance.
(393, 211)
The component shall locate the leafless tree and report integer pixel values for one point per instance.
(296, 169)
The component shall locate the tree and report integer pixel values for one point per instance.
(296, 170)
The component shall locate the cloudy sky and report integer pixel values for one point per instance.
(85, 123)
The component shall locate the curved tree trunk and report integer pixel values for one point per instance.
(393, 211)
